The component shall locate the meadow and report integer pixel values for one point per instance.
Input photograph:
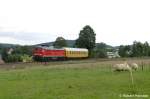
(73, 80)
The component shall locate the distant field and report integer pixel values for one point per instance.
(92, 79)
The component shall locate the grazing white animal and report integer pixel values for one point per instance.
(122, 67)
(134, 66)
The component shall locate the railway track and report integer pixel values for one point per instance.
(28, 64)
(20, 65)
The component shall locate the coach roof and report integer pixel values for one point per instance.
(75, 49)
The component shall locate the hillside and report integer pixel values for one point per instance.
(70, 43)
(5, 45)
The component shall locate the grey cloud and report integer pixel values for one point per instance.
(6, 34)
(29, 37)
(32, 37)
(25, 36)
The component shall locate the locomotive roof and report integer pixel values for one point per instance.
(49, 48)
(64, 48)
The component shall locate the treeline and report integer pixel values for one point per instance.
(17, 54)
(137, 49)
(86, 39)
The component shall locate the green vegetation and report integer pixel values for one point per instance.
(4, 45)
(13, 58)
(23, 50)
(100, 51)
(26, 58)
(72, 81)
(137, 49)
(60, 42)
(17, 54)
(86, 39)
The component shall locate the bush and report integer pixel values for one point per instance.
(100, 54)
(26, 58)
(13, 58)
(19, 54)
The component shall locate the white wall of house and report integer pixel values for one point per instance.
(113, 54)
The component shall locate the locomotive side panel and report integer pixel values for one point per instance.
(54, 53)
(47, 54)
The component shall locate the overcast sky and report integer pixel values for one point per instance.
(115, 22)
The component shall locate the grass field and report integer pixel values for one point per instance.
(93, 80)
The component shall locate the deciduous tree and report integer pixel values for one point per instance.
(60, 42)
(86, 38)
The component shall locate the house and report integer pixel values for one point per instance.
(10, 51)
(1, 60)
(113, 54)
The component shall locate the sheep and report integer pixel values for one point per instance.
(134, 66)
(122, 67)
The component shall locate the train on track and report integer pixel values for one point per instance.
(44, 53)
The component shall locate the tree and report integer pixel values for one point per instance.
(86, 39)
(4, 54)
(125, 51)
(100, 50)
(14, 58)
(23, 50)
(10, 57)
(60, 42)
(146, 49)
(137, 49)
(100, 53)
(101, 46)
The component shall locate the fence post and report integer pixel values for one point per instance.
(149, 66)
(142, 66)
